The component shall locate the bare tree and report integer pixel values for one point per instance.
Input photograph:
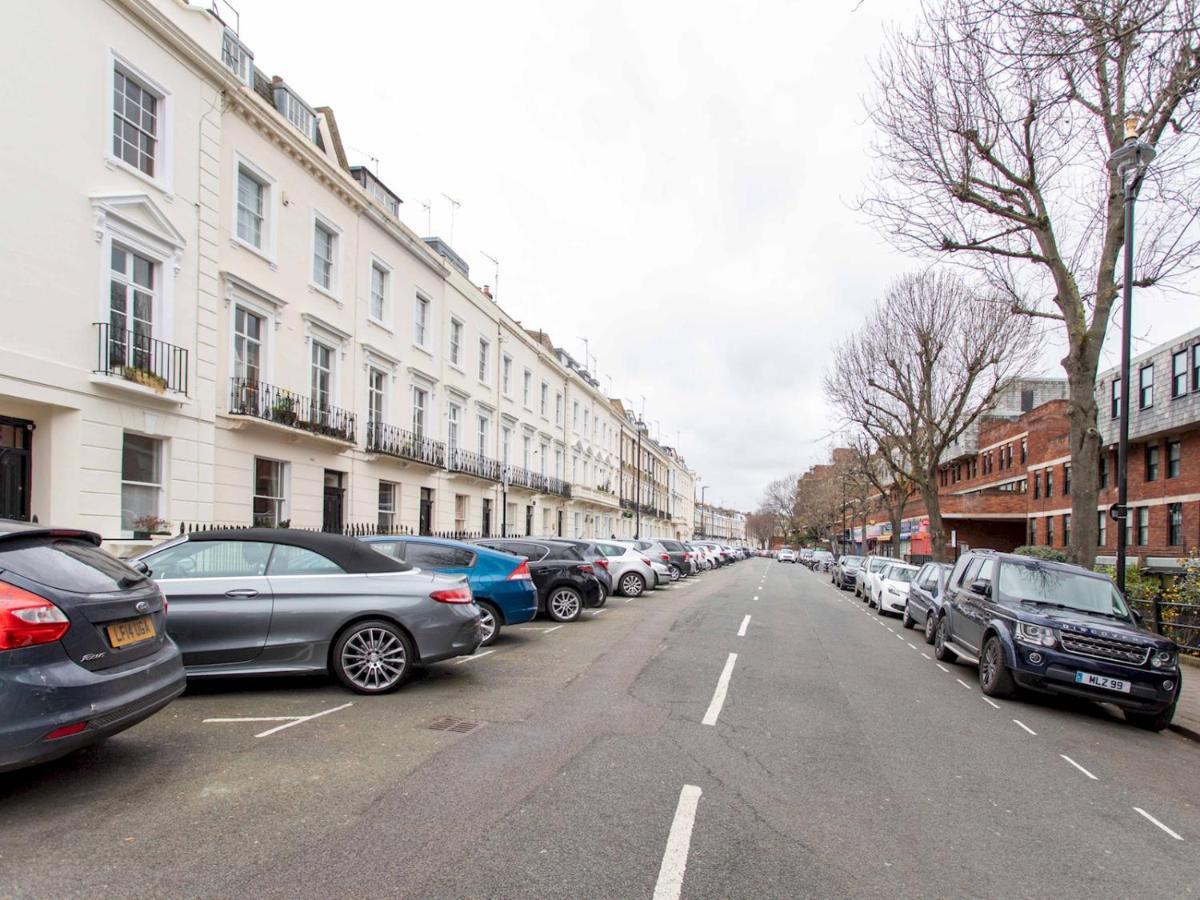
(762, 526)
(779, 499)
(995, 121)
(881, 466)
(930, 359)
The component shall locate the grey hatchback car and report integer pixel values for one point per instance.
(84, 651)
(275, 601)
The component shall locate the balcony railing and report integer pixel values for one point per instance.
(384, 438)
(628, 504)
(141, 359)
(273, 404)
(523, 478)
(473, 464)
(558, 486)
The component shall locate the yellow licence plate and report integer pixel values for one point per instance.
(123, 634)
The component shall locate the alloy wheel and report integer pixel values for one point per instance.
(564, 605)
(989, 666)
(631, 584)
(488, 623)
(929, 623)
(374, 659)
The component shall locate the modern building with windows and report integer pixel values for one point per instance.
(246, 333)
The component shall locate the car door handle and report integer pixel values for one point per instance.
(242, 592)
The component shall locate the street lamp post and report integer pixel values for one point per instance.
(637, 503)
(703, 531)
(1129, 162)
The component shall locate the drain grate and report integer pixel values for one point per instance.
(450, 723)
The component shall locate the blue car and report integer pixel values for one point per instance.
(502, 584)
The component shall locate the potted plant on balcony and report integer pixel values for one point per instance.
(145, 378)
(283, 410)
(144, 526)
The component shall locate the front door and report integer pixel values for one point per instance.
(560, 523)
(426, 520)
(333, 519)
(16, 440)
(528, 521)
(487, 517)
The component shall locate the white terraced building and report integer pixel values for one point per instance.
(212, 318)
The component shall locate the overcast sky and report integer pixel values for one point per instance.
(675, 183)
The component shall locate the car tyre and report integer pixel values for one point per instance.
(940, 650)
(906, 620)
(676, 572)
(372, 657)
(565, 604)
(930, 626)
(1150, 721)
(632, 584)
(995, 679)
(491, 622)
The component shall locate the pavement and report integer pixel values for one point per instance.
(1187, 713)
(751, 733)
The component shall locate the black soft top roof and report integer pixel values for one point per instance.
(351, 554)
(15, 528)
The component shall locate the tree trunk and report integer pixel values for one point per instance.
(897, 511)
(1080, 366)
(933, 508)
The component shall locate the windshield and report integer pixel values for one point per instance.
(876, 564)
(1031, 583)
(851, 560)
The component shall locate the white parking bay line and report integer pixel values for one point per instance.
(991, 703)
(1026, 727)
(1079, 767)
(911, 645)
(963, 683)
(943, 668)
(742, 630)
(1150, 818)
(271, 731)
(718, 700)
(255, 719)
(599, 612)
(674, 861)
(927, 656)
(555, 628)
(467, 659)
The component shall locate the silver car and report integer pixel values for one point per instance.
(631, 570)
(662, 571)
(274, 601)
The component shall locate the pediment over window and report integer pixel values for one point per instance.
(136, 217)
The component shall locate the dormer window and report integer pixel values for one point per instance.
(237, 58)
(295, 110)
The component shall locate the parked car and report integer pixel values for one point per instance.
(662, 571)
(872, 565)
(278, 601)
(502, 587)
(787, 556)
(631, 570)
(84, 651)
(892, 594)
(1055, 628)
(703, 556)
(925, 594)
(680, 558)
(594, 555)
(566, 583)
(805, 556)
(844, 571)
(822, 561)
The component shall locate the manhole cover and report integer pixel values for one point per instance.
(450, 723)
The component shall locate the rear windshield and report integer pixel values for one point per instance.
(67, 565)
(612, 549)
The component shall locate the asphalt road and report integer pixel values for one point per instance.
(841, 761)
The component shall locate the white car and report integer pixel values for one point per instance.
(891, 595)
(864, 577)
(662, 571)
(786, 555)
(631, 570)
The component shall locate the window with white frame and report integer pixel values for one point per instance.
(251, 207)
(586, 419)
(527, 389)
(543, 458)
(420, 321)
(248, 336)
(322, 376)
(386, 505)
(380, 284)
(376, 396)
(482, 425)
(456, 333)
(575, 414)
(506, 375)
(485, 359)
(137, 120)
(558, 464)
(324, 255)
(461, 502)
(141, 482)
(545, 405)
(527, 453)
(505, 444)
(558, 409)
(237, 57)
(270, 492)
(132, 298)
(420, 399)
(453, 425)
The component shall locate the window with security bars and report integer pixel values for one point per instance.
(135, 122)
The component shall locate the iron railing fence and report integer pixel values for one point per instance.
(283, 407)
(139, 358)
(404, 444)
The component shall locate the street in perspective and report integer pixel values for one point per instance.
(815, 512)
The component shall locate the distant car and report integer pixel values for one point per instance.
(84, 651)
(662, 571)
(279, 601)
(787, 556)
(502, 587)
(680, 557)
(631, 570)
(805, 556)
(1055, 628)
(566, 583)
(844, 571)
(822, 560)
(891, 596)
(925, 595)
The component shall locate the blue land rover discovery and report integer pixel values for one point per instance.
(1055, 628)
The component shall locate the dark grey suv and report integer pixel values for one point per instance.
(84, 651)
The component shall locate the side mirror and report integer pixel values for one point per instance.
(982, 587)
(140, 566)
(1137, 616)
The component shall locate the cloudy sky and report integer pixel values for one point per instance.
(675, 184)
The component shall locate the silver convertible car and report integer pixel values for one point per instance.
(273, 601)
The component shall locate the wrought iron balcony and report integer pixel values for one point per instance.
(274, 404)
(523, 478)
(393, 441)
(473, 464)
(558, 486)
(140, 359)
(629, 504)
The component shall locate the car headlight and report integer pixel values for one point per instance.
(892, 590)
(1163, 659)
(1037, 635)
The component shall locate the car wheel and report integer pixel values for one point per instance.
(930, 625)
(372, 657)
(564, 604)
(906, 620)
(632, 584)
(676, 572)
(940, 650)
(491, 622)
(994, 678)
(879, 607)
(1150, 721)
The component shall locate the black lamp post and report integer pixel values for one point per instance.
(637, 503)
(703, 530)
(1129, 162)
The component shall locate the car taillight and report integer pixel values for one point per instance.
(587, 569)
(602, 563)
(454, 595)
(686, 557)
(65, 731)
(666, 558)
(521, 572)
(645, 560)
(27, 619)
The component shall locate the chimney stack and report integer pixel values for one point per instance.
(487, 291)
